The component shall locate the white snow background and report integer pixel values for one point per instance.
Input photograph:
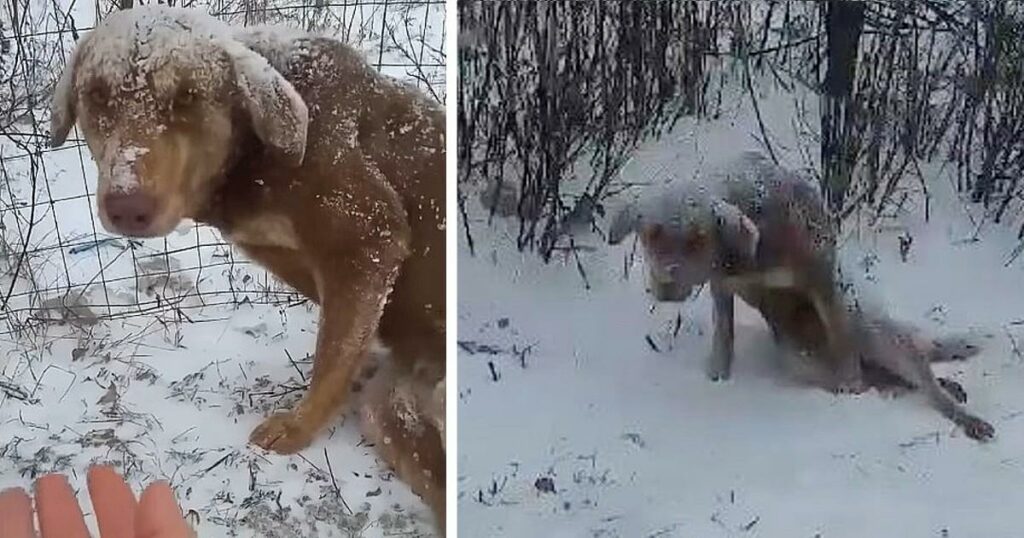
(571, 424)
(160, 356)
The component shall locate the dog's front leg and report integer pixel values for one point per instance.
(719, 364)
(353, 291)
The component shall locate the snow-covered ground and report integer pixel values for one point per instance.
(166, 353)
(572, 424)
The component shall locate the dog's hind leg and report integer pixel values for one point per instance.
(846, 362)
(954, 347)
(897, 349)
(403, 416)
(847, 375)
(975, 427)
(956, 390)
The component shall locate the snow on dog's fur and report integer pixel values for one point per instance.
(749, 228)
(892, 352)
(761, 232)
(403, 415)
(318, 167)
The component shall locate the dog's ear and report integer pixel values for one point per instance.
(652, 232)
(737, 235)
(278, 113)
(625, 222)
(62, 106)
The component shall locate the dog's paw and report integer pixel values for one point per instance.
(978, 429)
(850, 378)
(717, 376)
(956, 390)
(717, 373)
(718, 367)
(283, 433)
(850, 386)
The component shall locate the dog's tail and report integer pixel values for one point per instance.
(955, 347)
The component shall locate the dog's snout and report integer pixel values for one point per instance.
(130, 213)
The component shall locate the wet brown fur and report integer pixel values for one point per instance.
(356, 224)
(402, 412)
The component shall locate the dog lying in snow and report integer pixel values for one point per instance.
(327, 173)
(750, 229)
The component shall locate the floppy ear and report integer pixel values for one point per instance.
(279, 115)
(737, 235)
(625, 222)
(652, 232)
(62, 106)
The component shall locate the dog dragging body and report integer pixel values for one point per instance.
(709, 285)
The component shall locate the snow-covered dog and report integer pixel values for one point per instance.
(752, 229)
(324, 171)
(758, 231)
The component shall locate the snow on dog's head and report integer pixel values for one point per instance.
(162, 96)
(687, 233)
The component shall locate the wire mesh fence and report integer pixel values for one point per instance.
(58, 264)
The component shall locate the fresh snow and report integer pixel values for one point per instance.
(571, 424)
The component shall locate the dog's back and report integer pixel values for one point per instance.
(787, 207)
(358, 114)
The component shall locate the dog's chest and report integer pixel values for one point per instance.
(249, 214)
(263, 230)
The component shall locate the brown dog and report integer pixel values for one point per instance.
(762, 233)
(750, 229)
(319, 168)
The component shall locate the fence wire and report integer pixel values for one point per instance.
(58, 264)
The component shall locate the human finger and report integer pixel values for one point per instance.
(16, 514)
(113, 503)
(159, 515)
(58, 510)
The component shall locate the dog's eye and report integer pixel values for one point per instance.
(98, 94)
(185, 98)
(694, 242)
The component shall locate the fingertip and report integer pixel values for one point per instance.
(51, 484)
(101, 472)
(112, 501)
(16, 514)
(159, 514)
(15, 497)
(57, 507)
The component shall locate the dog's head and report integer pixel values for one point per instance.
(162, 97)
(686, 239)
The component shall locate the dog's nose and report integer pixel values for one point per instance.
(130, 213)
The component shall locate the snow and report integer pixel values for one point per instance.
(572, 424)
(160, 356)
(122, 175)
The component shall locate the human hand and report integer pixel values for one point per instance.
(118, 514)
